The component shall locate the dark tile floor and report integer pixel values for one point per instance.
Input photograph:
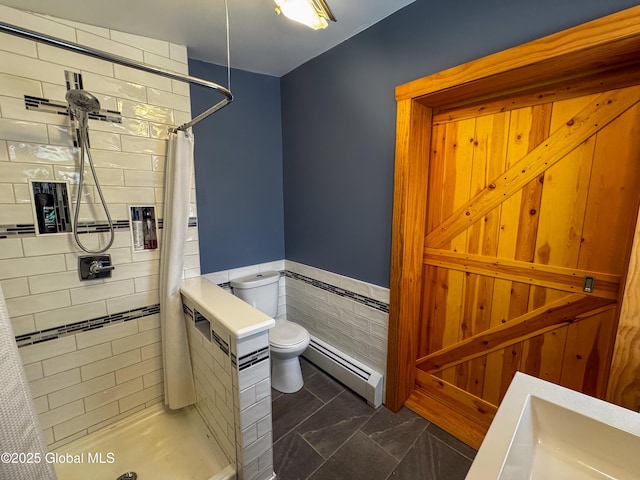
(326, 432)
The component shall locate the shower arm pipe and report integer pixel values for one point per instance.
(92, 52)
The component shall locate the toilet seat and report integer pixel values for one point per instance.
(287, 334)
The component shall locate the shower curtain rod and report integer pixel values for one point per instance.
(74, 47)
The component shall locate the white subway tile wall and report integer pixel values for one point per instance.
(80, 381)
(83, 381)
(355, 320)
(212, 375)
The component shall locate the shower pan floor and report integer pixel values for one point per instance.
(156, 443)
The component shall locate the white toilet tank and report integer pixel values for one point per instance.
(259, 290)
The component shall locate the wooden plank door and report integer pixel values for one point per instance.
(525, 203)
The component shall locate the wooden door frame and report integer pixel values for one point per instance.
(593, 52)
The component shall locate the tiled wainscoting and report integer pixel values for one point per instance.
(83, 382)
(349, 314)
(106, 362)
(233, 390)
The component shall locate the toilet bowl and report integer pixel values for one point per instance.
(287, 340)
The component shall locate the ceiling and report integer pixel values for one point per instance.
(261, 40)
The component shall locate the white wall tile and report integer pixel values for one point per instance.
(146, 284)
(6, 193)
(48, 245)
(153, 378)
(35, 22)
(33, 371)
(150, 322)
(52, 348)
(54, 382)
(151, 351)
(39, 273)
(21, 66)
(108, 365)
(82, 422)
(142, 78)
(109, 395)
(135, 178)
(130, 302)
(178, 53)
(58, 281)
(76, 359)
(133, 270)
(145, 111)
(21, 46)
(13, 86)
(144, 145)
(141, 397)
(111, 46)
(40, 153)
(135, 341)
(166, 63)
(138, 369)
(81, 390)
(61, 414)
(74, 60)
(23, 324)
(103, 32)
(101, 292)
(3, 151)
(38, 303)
(181, 88)
(41, 404)
(69, 315)
(129, 126)
(159, 47)
(11, 248)
(168, 100)
(122, 160)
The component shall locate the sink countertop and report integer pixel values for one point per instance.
(237, 316)
(543, 430)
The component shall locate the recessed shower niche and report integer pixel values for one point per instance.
(50, 201)
(143, 227)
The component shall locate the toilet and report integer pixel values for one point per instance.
(287, 340)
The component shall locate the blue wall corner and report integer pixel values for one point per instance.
(307, 160)
(238, 164)
(338, 114)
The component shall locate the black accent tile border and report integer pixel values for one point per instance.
(369, 302)
(61, 108)
(224, 346)
(253, 358)
(22, 230)
(40, 336)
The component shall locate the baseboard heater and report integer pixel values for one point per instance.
(358, 377)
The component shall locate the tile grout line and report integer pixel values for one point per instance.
(451, 447)
(413, 444)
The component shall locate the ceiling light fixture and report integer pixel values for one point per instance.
(312, 13)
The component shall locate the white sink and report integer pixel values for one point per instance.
(542, 431)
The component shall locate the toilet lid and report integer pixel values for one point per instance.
(286, 334)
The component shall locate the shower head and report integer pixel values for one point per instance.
(82, 102)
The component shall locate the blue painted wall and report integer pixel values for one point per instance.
(238, 164)
(324, 135)
(338, 114)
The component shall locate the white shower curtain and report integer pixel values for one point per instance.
(20, 430)
(179, 388)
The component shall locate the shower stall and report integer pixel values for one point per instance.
(91, 350)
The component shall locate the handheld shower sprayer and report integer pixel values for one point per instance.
(81, 104)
